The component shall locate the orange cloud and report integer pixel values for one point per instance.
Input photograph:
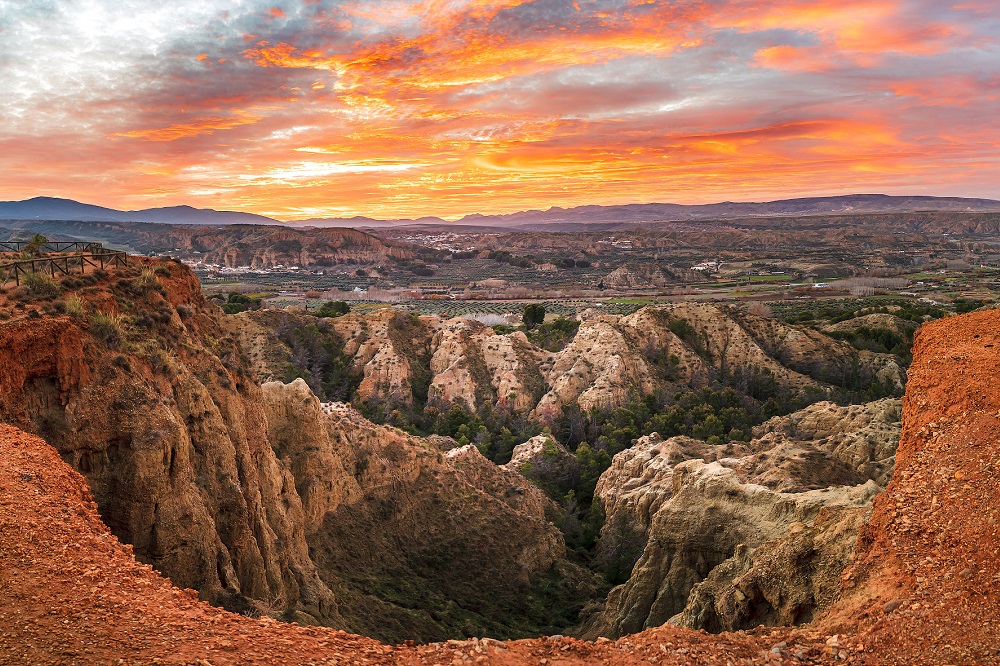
(445, 107)
(795, 59)
(203, 126)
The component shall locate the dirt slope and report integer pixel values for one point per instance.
(926, 582)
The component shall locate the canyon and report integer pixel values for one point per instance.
(176, 448)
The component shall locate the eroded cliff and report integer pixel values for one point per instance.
(729, 537)
(259, 498)
(401, 360)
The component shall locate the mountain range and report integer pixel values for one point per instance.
(50, 208)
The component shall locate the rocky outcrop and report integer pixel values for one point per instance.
(597, 369)
(264, 498)
(267, 247)
(162, 421)
(546, 462)
(875, 321)
(640, 478)
(393, 524)
(473, 365)
(610, 359)
(728, 537)
(825, 444)
(638, 276)
(391, 351)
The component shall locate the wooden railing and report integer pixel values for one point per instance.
(54, 246)
(95, 256)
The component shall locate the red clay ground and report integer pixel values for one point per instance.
(923, 590)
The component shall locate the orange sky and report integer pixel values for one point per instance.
(405, 108)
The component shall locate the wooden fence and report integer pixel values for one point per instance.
(64, 264)
(55, 246)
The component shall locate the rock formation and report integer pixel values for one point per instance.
(921, 589)
(739, 535)
(267, 246)
(610, 359)
(393, 524)
(260, 497)
(877, 320)
(161, 419)
(638, 276)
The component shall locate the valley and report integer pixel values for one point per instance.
(703, 464)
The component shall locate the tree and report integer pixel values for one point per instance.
(35, 245)
(534, 314)
(333, 309)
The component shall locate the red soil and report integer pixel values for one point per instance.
(925, 587)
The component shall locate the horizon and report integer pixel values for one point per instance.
(415, 108)
(492, 215)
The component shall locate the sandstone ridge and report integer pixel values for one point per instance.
(729, 537)
(610, 359)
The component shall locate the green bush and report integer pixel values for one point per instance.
(41, 286)
(108, 328)
(534, 314)
(333, 309)
(233, 308)
(237, 303)
(75, 307)
(554, 335)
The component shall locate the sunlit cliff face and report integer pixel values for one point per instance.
(413, 107)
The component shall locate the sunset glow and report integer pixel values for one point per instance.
(403, 108)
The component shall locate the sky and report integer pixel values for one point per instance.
(404, 108)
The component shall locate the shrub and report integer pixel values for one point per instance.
(554, 335)
(147, 279)
(55, 307)
(108, 328)
(233, 308)
(333, 309)
(41, 286)
(35, 245)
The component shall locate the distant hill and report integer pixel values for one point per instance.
(259, 246)
(573, 219)
(366, 222)
(552, 219)
(556, 217)
(50, 208)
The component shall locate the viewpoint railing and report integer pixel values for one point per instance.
(54, 246)
(67, 258)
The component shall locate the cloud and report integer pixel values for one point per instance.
(201, 126)
(409, 107)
